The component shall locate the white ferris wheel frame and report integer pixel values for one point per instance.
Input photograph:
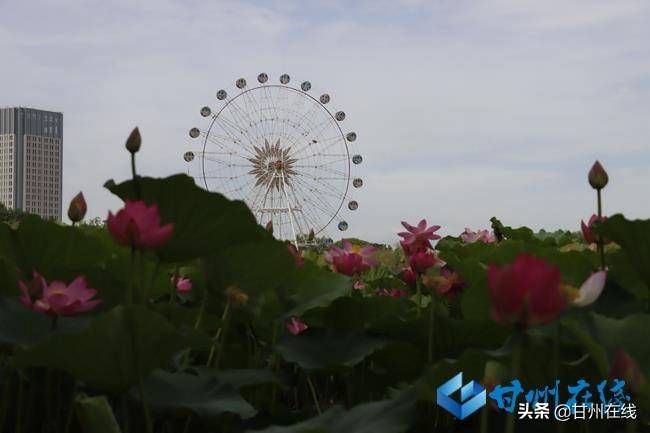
(283, 178)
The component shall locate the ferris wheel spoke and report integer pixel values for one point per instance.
(256, 110)
(299, 151)
(330, 187)
(258, 195)
(324, 209)
(234, 127)
(339, 173)
(346, 158)
(231, 138)
(212, 153)
(308, 211)
(223, 145)
(322, 189)
(226, 164)
(224, 138)
(247, 121)
(291, 210)
(233, 131)
(217, 161)
(319, 194)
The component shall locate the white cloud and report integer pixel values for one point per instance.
(452, 100)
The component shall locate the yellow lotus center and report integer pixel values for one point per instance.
(356, 249)
(236, 296)
(570, 292)
(57, 293)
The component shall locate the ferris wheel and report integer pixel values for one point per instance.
(282, 151)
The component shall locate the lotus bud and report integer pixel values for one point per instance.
(78, 208)
(625, 367)
(134, 141)
(598, 176)
(269, 226)
(311, 235)
(295, 326)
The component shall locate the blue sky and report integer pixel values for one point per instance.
(464, 109)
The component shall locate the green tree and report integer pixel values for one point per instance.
(10, 215)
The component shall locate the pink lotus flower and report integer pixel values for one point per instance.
(139, 225)
(297, 256)
(393, 293)
(421, 261)
(469, 236)
(526, 291)
(57, 298)
(29, 291)
(351, 259)
(182, 285)
(589, 235)
(295, 326)
(408, 276)
(448, 283)
(417, 238)
(626, 368)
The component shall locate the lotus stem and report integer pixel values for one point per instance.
(274, 365)
(313, 395)
(126, 422)
(68, 418)
(48, 399)
(138, 370)
(221, 336)
(217, 335)
(556, 363)
(188, 423)
(6, 389)
(601, 242)
(516, 366)
(136, 183)
(141, 284)
(129, 292)
(19, 404)
(172, 292)
(145, 409)
(418, 287)
(152, 280)
(484, 419)
(432, 312)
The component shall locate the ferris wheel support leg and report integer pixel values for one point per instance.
(290, 209)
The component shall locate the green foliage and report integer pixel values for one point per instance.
(204, 222)
(11, 215)
(96, 415)
(204, 395)
(328, 350)
(634, 239)
(387, 416)
(112, 350)
(220, 357)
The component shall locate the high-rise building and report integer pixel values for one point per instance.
(31, 160)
